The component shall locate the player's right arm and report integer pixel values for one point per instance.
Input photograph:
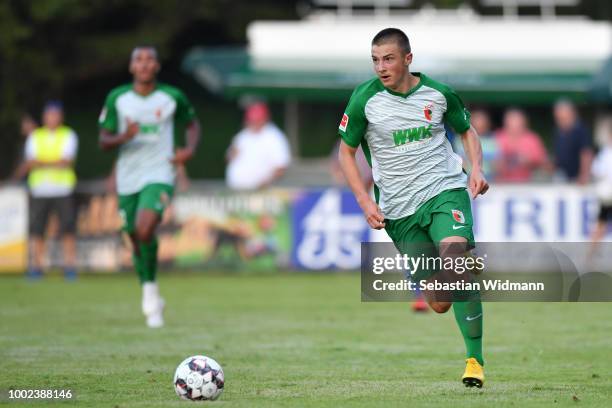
(348, 164)
(352, 130)
(109, 140)
(110, 137)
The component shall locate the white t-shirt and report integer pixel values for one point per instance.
(48, 189)
(258, 155)
(602, 170)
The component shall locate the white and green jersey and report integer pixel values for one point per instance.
(145, 159)
(404, 140)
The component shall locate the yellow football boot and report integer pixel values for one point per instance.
(474, 373)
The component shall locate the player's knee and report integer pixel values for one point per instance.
(452, 249)
(143, 234)
(440, 307)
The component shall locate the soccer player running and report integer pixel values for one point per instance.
(398, 118)
(140, 119)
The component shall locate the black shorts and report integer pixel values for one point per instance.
(605, 212)
(41, 208)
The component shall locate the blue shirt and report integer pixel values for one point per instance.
(568, 146)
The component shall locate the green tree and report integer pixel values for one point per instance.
(49, 48)
(44, 44)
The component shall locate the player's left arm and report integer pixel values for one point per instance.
(192, 138)
(185, 113)
(473, 151)
(458, 117)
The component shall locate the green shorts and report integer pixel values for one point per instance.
(447, 214)
(154, 197)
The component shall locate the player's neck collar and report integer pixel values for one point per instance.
(153, 89)
(411, 90)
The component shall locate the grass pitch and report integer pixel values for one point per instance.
(291, 340)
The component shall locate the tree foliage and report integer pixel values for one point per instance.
(49, 47)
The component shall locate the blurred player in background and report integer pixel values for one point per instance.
(398, 118)
(182, 179)
(50, 151)
(259, 153)
(140, 119)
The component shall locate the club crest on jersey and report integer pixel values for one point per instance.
(428, 111)
(344, 122)
(458, 216)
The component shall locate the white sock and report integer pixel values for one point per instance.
(150, 297)
(150, 289)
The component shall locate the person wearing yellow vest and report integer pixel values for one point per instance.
(49, 160)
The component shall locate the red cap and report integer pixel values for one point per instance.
(257, 112)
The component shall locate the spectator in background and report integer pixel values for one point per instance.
(49, 160)
(521, 150)
(490, 149)
(573, 150)
(259, 153)
(28, 125)
(602, 172)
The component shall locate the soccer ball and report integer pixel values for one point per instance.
(199, 378)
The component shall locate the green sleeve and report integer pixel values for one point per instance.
(456, 115)
(184, 109)
(108, 116)
(353, 124)
(184, 112)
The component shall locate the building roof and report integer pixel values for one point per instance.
(490, 60)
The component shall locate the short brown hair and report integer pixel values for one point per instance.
(392, 34)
